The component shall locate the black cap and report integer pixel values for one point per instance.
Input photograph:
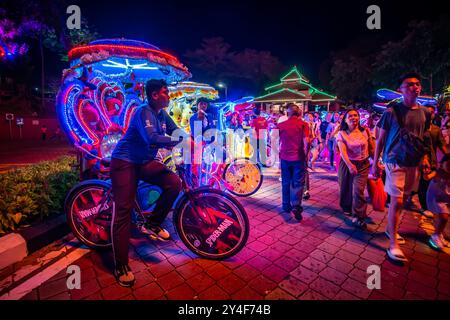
(202, 99)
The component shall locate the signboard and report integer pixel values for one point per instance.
(19, 121)
(35, 122)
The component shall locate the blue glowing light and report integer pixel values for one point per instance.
(127, 65)
(390, 95)
(104, 86)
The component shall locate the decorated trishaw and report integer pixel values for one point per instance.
(103, 87)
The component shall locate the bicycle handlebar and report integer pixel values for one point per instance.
(88, 152)
(91, 154)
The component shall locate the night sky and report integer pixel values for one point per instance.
(302, 33)
(298, 32)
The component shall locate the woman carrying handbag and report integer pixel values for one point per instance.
(355, 144)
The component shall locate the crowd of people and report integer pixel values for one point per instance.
(406, 148)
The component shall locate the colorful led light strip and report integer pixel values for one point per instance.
(132, 106)
(79, 51)
(321, 92)
(101, 102)
(127, 65)
(301, 80)
(72, 122)
(294, 70)
(388, 94)
(281, 90)
(103, 91)
(92, 135)
(62, 112)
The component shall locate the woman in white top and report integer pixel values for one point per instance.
(331, 138)
(314, 136)
(283, 117)
(354, 144)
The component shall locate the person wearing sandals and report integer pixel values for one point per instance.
(354, 143)
(402, 133)
(438, 201)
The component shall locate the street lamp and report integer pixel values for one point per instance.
(223, 85)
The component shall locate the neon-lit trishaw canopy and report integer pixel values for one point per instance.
(388, 96)
(183, 96)
(120, 58)
(105, 84)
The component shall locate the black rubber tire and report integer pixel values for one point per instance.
(254, 190)
(178, 215)
(70, 198)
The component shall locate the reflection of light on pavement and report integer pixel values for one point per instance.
(271, 172)
(47, 273)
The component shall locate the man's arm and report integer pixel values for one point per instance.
(170, 124)
(383, 126)
(147, 127)
(344, 156)
(306, 140)
(426, 166)
(306, 145)
(379, 147)
(441, 145)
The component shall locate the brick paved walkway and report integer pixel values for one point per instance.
(322, 257)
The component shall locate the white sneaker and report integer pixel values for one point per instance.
(428, 214)
(436, 242)
(156, 232)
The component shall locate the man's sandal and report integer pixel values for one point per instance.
(400, 239)
(396, 255)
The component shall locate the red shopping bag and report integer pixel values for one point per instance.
(377, 194)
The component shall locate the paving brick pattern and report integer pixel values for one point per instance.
(321, 257)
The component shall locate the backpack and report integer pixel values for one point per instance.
(411, 148)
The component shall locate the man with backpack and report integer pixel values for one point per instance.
(402, 130)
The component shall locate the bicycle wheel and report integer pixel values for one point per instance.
(89, 207)
(214, 182)
(242, 177)
(211, 223)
